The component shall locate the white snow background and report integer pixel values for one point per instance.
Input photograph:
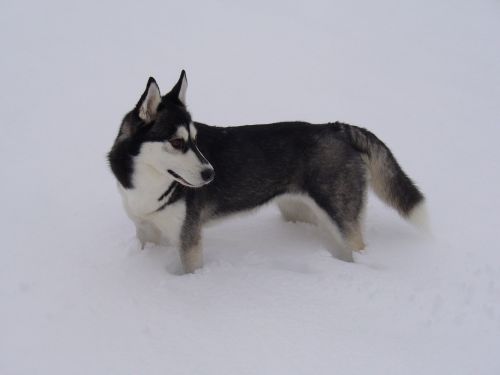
(77, 296)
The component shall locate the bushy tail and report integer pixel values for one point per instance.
(388, 180)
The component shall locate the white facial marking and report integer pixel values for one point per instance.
(192, 131)
(182, 133)
(161, 157)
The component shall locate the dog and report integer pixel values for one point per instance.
(175, 175)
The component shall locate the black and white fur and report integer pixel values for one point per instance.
(175, 175)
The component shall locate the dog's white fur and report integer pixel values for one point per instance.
(141, 204)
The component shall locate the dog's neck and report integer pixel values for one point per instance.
(151, 190)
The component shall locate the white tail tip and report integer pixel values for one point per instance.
(419, 217)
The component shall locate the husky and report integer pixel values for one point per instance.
(175, 174)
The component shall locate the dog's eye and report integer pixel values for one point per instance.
(177, 143)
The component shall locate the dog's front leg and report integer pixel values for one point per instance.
(190, 247)
(192, 258)
(147, 232)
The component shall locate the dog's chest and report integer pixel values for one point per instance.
(148, 204)
(148, 211)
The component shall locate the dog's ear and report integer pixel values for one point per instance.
(147, 107)
(178, 93)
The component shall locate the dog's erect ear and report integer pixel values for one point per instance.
(179, 90)
(149, 101)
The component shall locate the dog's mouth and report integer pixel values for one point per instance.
(179, 178)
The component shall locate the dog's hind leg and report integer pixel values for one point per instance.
(344, 238)
(294, 209)
(354, 237)
(339, 192)
(344, 231)
(339, 241)
(339, 216)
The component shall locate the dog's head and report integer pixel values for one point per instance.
(159, 132)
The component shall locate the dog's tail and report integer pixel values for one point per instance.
(388, 180)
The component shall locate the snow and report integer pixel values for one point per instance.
(78, 296)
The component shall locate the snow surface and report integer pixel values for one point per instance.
(77, 296)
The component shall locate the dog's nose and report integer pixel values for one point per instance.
(207, 174)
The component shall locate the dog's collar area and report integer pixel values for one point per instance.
(167, 192)
(174, 192)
